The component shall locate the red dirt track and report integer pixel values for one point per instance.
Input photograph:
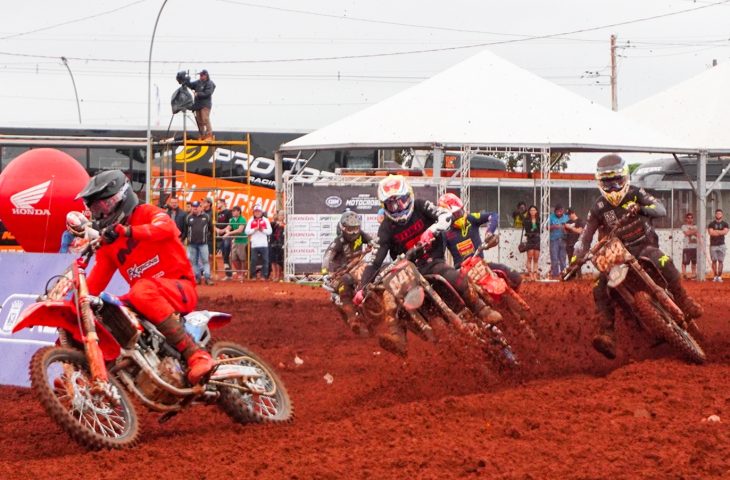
(566, 413)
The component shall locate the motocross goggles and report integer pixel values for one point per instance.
(398, 204)
(613, 184)
(104, 207)
(351, 231)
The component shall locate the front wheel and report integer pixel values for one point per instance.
(660, 323)
(252, 400)
(61, 380)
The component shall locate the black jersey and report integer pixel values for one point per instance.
(604, 216)
(396, 238)
(340, 251)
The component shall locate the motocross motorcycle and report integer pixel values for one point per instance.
(423, 300)
(352, 272)
(639, 287)
(105, 349)
(492, 287)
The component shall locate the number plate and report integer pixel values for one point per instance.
(477, 272)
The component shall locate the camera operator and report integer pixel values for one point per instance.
(203, 88)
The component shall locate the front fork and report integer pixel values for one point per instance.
(99, 374)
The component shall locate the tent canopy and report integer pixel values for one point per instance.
(694, 112)
(486, 101)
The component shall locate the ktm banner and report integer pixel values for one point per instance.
(197, 187)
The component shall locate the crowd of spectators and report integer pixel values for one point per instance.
(250, 248)
(565, 228)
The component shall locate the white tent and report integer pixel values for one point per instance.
(486, 101)
(694, 112)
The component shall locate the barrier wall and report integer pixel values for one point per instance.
(24, 278)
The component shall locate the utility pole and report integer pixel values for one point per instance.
(614, 79)
(76, 92)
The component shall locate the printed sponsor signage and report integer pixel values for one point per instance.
(37, 189)
(30, 273)
(313, 214)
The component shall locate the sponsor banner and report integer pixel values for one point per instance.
(37, 189)
(197, 187)
(317, 211)
(30, 273)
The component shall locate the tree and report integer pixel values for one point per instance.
(515, 162)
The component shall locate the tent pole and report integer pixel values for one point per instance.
(701, 215)
(438, 159)
(544, 270)
(278, 176)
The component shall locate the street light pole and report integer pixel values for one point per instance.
(78, 105)
(148, 172)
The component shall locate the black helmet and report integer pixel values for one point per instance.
(110, 198)
(612, 175)
(350, 225)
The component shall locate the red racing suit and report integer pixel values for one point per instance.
(154, 263)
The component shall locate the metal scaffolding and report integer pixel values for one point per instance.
(171, 181)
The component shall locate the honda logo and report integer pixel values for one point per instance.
(25, 200)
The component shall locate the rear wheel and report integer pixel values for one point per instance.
(661, 324)
(252, 400)
(61, 379)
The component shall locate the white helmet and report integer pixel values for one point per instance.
(397, 198)
(76, 223)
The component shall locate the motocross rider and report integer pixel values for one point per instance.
(143, 243)
(618, 200)
(349, 242)
(409, 221)
(462, 238)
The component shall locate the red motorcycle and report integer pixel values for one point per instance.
(492, 286)
(422, 300)
(103, 346)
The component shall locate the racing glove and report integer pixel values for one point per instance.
(358, 298)
(427, 237)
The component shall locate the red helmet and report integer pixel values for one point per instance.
(453, 204)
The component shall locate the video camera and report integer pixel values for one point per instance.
(182, 77)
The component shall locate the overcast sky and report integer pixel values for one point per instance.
(244, 44)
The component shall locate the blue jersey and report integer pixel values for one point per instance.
(463, 242)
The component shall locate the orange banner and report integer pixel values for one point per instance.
(197, 187)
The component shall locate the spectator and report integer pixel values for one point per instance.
(203, 88)
(717, 230)
(276, 246)
(239, 249)
(531, 225)
(573, 228)
(689, 245)
(207, 206)
(558, 254)
(223, 244)
(197, 232)
(77, 233)
(258, 230)
(176, 214)
(519, 214)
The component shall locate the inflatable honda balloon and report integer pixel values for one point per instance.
(37, 190)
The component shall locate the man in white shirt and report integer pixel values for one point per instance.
(689, 245)
(258, 230)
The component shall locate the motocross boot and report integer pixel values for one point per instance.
(394, 339)
(353, 321)
(199, 361)
(689, 305)
(485, 313)
(605, 341)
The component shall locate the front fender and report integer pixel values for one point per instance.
(62, 314)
